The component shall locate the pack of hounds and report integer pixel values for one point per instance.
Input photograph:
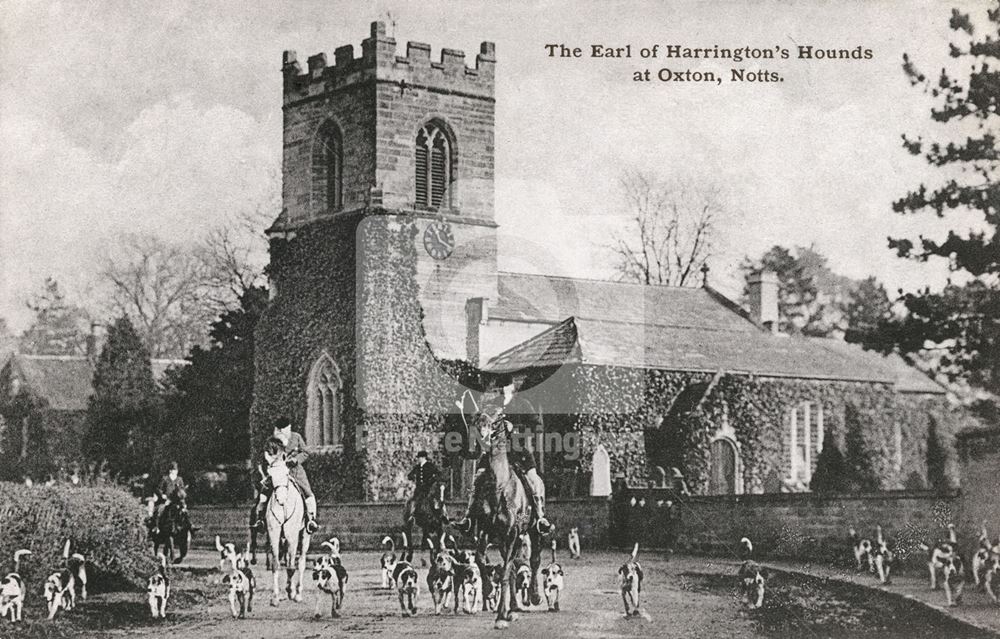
(945, 564)
(469, 580)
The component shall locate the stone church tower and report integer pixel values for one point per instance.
(386, 232)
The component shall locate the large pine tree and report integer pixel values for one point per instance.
(122, 414)
(960, 324)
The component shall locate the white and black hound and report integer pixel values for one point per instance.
(242, 583)
(981, 561)
(862, 551)
(158, 590)
(407, 585)
(552, 579)
(884, 558)
(12, 591)
(387, 562)
(331, 577)
(751, 575)
(631, 583)
(936, 554)
(60, 587)
(573, 542)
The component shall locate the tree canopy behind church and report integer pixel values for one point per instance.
(122, 412)
(208, 401)
(960, 324)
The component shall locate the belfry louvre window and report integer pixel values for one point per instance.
(328, 169)
(433, 161)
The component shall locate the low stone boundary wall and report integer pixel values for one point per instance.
(361, 525)
(796, 526)
(793, 526)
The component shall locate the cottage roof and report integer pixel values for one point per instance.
(672, 328)
(64, 381)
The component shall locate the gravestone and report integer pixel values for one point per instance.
(600, 476)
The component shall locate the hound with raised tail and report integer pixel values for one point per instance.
(441, 576)
(883, 557)
(573, 543)
(862, 551)
(227, 555)
(631, 583)
(12, 590)
(242, 584)
(492, 575)
(158, 590)
(331, 577)
(938, 553)
(60, 587)
(407, 585)
(468, 581)
(981, 560)
(388, 560)
(752, 576)
(552, 578)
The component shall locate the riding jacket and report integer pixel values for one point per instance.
(168, 487)
(425, 476)
(295, 456)
(525, 421)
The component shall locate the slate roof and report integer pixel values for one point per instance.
(670, 328)
(64, 381)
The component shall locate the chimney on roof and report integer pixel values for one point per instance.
(763, 293)
(477, 314)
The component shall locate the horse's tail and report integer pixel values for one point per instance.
(392, 544)
(635, 551)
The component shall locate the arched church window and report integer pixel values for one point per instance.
(324, 426)
(328, 169)
(434, 160)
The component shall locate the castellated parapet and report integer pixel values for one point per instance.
(379, 61)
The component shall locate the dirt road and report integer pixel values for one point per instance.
(684, 598)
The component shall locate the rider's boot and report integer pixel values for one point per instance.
(311, 525)
(464, 524)
(258, 522)
(542, 524)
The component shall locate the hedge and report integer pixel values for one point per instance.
(105, 525)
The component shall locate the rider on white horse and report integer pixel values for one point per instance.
(295, 456)
(522, 416)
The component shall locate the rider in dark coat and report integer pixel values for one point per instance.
(425, 474)
(171, 488)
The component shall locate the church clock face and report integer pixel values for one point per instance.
(439, 240)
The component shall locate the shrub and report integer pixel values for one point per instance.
(105, 524)
(831, 474)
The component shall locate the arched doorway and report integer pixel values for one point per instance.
(723, 467)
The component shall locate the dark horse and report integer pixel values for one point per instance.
(501, 509)
(173, 528)
(427, 511)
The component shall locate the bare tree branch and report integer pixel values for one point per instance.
(672, 231)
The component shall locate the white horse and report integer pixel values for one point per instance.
(285, 522)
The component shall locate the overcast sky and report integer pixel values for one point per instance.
(163, 116)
